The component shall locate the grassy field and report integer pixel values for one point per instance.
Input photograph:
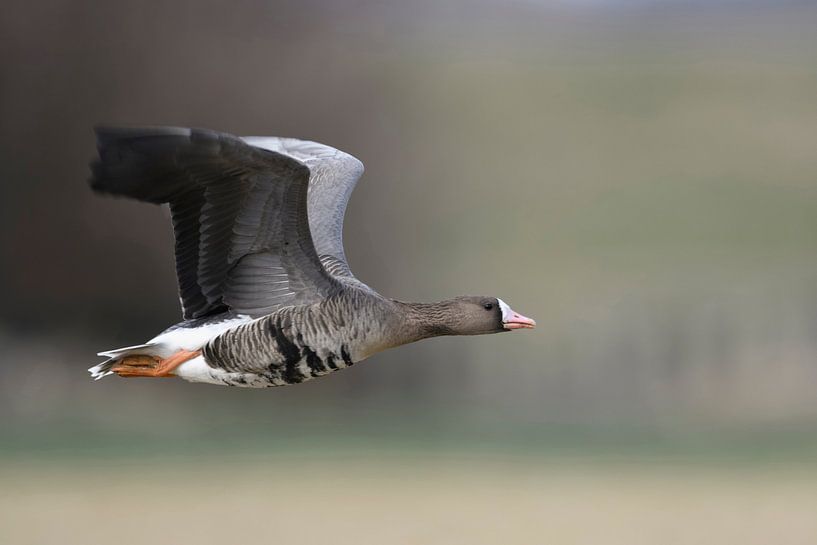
(446, 499)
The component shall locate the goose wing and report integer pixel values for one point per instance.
(239, 215)
(333, 176)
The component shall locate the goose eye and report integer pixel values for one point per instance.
(488, 306)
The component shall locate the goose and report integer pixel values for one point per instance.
(267, 295)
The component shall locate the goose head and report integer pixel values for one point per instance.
(478, 315)
(465, 315)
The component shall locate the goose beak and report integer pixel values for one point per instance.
(517, 321)
(513, 320)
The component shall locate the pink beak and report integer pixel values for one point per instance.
(517, 321)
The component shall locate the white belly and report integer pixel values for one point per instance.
(197, 370)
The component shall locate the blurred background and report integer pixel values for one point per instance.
(639, 176)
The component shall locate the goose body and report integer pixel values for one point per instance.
(267, 295)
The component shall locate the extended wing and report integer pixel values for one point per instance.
(239, 213)
(333, 176)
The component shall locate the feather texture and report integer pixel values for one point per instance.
(333, 176)
(243, 242)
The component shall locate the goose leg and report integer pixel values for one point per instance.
(152, 366)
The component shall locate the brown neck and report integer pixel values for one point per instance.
(424, 320)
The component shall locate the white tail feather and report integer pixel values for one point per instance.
(119, 352)
(104, 369)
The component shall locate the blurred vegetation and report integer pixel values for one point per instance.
(639, 178)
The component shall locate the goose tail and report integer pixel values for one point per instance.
(104, 369)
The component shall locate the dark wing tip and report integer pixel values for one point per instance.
(155, 139)
(141, 161)
(106, 133)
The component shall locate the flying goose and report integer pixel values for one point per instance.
(267, 296)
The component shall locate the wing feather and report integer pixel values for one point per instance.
(333, 176)
(240, 215)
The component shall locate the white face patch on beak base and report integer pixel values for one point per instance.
(514, 320)
(507, 313)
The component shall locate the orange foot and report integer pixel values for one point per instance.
(152, 366)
